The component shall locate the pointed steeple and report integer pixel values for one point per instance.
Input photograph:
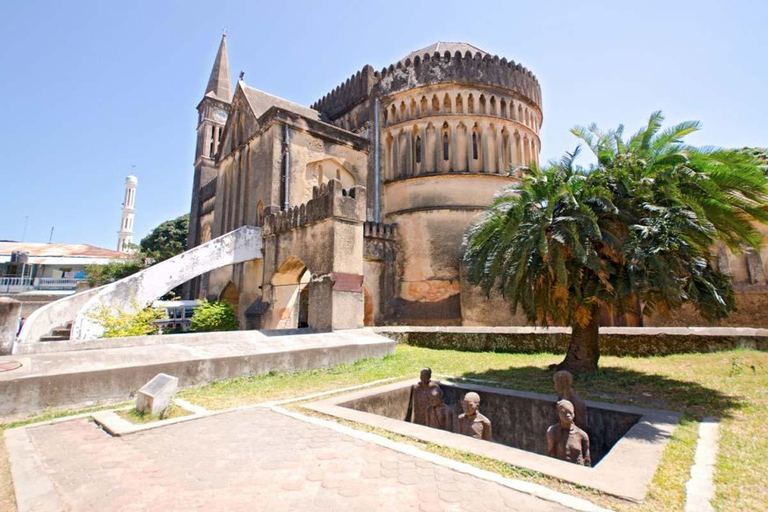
(219, 83)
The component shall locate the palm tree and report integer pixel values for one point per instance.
(636, 228)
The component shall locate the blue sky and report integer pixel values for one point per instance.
(89, 88)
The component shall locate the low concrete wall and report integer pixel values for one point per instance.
(615, 341)
(9, 322)
(78, 379)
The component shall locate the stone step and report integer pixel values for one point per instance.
(54, 338)
(62, 331)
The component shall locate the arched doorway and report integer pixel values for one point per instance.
(290, 295)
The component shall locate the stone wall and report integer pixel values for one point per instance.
(614, 341)
(752, 311)
(9, 323)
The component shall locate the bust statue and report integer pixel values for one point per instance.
(563, 381)
(420, 397)
(471, 422)
(439, 415)
(565, 440)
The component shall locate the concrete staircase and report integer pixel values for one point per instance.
(61, 333)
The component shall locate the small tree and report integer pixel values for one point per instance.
(637, 228)
(214, 316)
(167, 240)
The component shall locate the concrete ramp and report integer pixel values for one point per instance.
(76, 379)
(139, 290)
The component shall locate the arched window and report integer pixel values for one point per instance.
(459, 105)
(402, 111)
(471, 104)
(445, 145)
(393, 116)
(435, 105)
(424, 106)
(482, 104)
(474, 145)
(503, 107)
(493, 106)
(447, 104)
(413, 109)
(418, 150)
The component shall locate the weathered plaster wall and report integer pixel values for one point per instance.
(751, 302)
(324, 235)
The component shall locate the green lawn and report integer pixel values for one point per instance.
(139, 418)
(731, 386)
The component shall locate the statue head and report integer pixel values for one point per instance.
(436, 397)
(471, 403)
(565, 414)
(563, 381)
(426, 376)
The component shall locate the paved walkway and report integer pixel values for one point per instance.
(254, 459)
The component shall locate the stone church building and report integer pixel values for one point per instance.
(364, 197)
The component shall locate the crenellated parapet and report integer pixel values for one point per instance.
(357, 88)
(436, 68)
(431, 69)
(379, 230)
(329, 200)
(380, 241)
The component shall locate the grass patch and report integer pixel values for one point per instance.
(139, 418)
(731, 386)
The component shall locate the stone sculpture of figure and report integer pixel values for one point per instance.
(565, 440)
(472, 423)
(420, 397)
(563, 382)
(439, 415)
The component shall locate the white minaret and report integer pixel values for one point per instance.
(125, 235)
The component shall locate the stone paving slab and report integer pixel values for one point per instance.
(82, 378)
(253, 459)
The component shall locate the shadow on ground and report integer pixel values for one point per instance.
(624, 386)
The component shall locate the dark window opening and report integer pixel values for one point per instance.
(474, 146)
(418, 150)
(445, 146)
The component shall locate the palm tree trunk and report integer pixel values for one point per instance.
(584, 349)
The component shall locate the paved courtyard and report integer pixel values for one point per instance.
(255, 459)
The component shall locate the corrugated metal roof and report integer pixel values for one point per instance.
(60, 250)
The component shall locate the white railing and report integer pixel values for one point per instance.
(24, 284)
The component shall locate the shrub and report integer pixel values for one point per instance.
(214, 316)
(118, 323)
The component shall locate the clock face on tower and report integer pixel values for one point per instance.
(220, 115)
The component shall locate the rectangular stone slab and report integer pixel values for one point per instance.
(156, 395)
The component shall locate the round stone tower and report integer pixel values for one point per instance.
(455, 125)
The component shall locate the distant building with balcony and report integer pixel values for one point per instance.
(50, 268)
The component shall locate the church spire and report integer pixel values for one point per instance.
(219, 82)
